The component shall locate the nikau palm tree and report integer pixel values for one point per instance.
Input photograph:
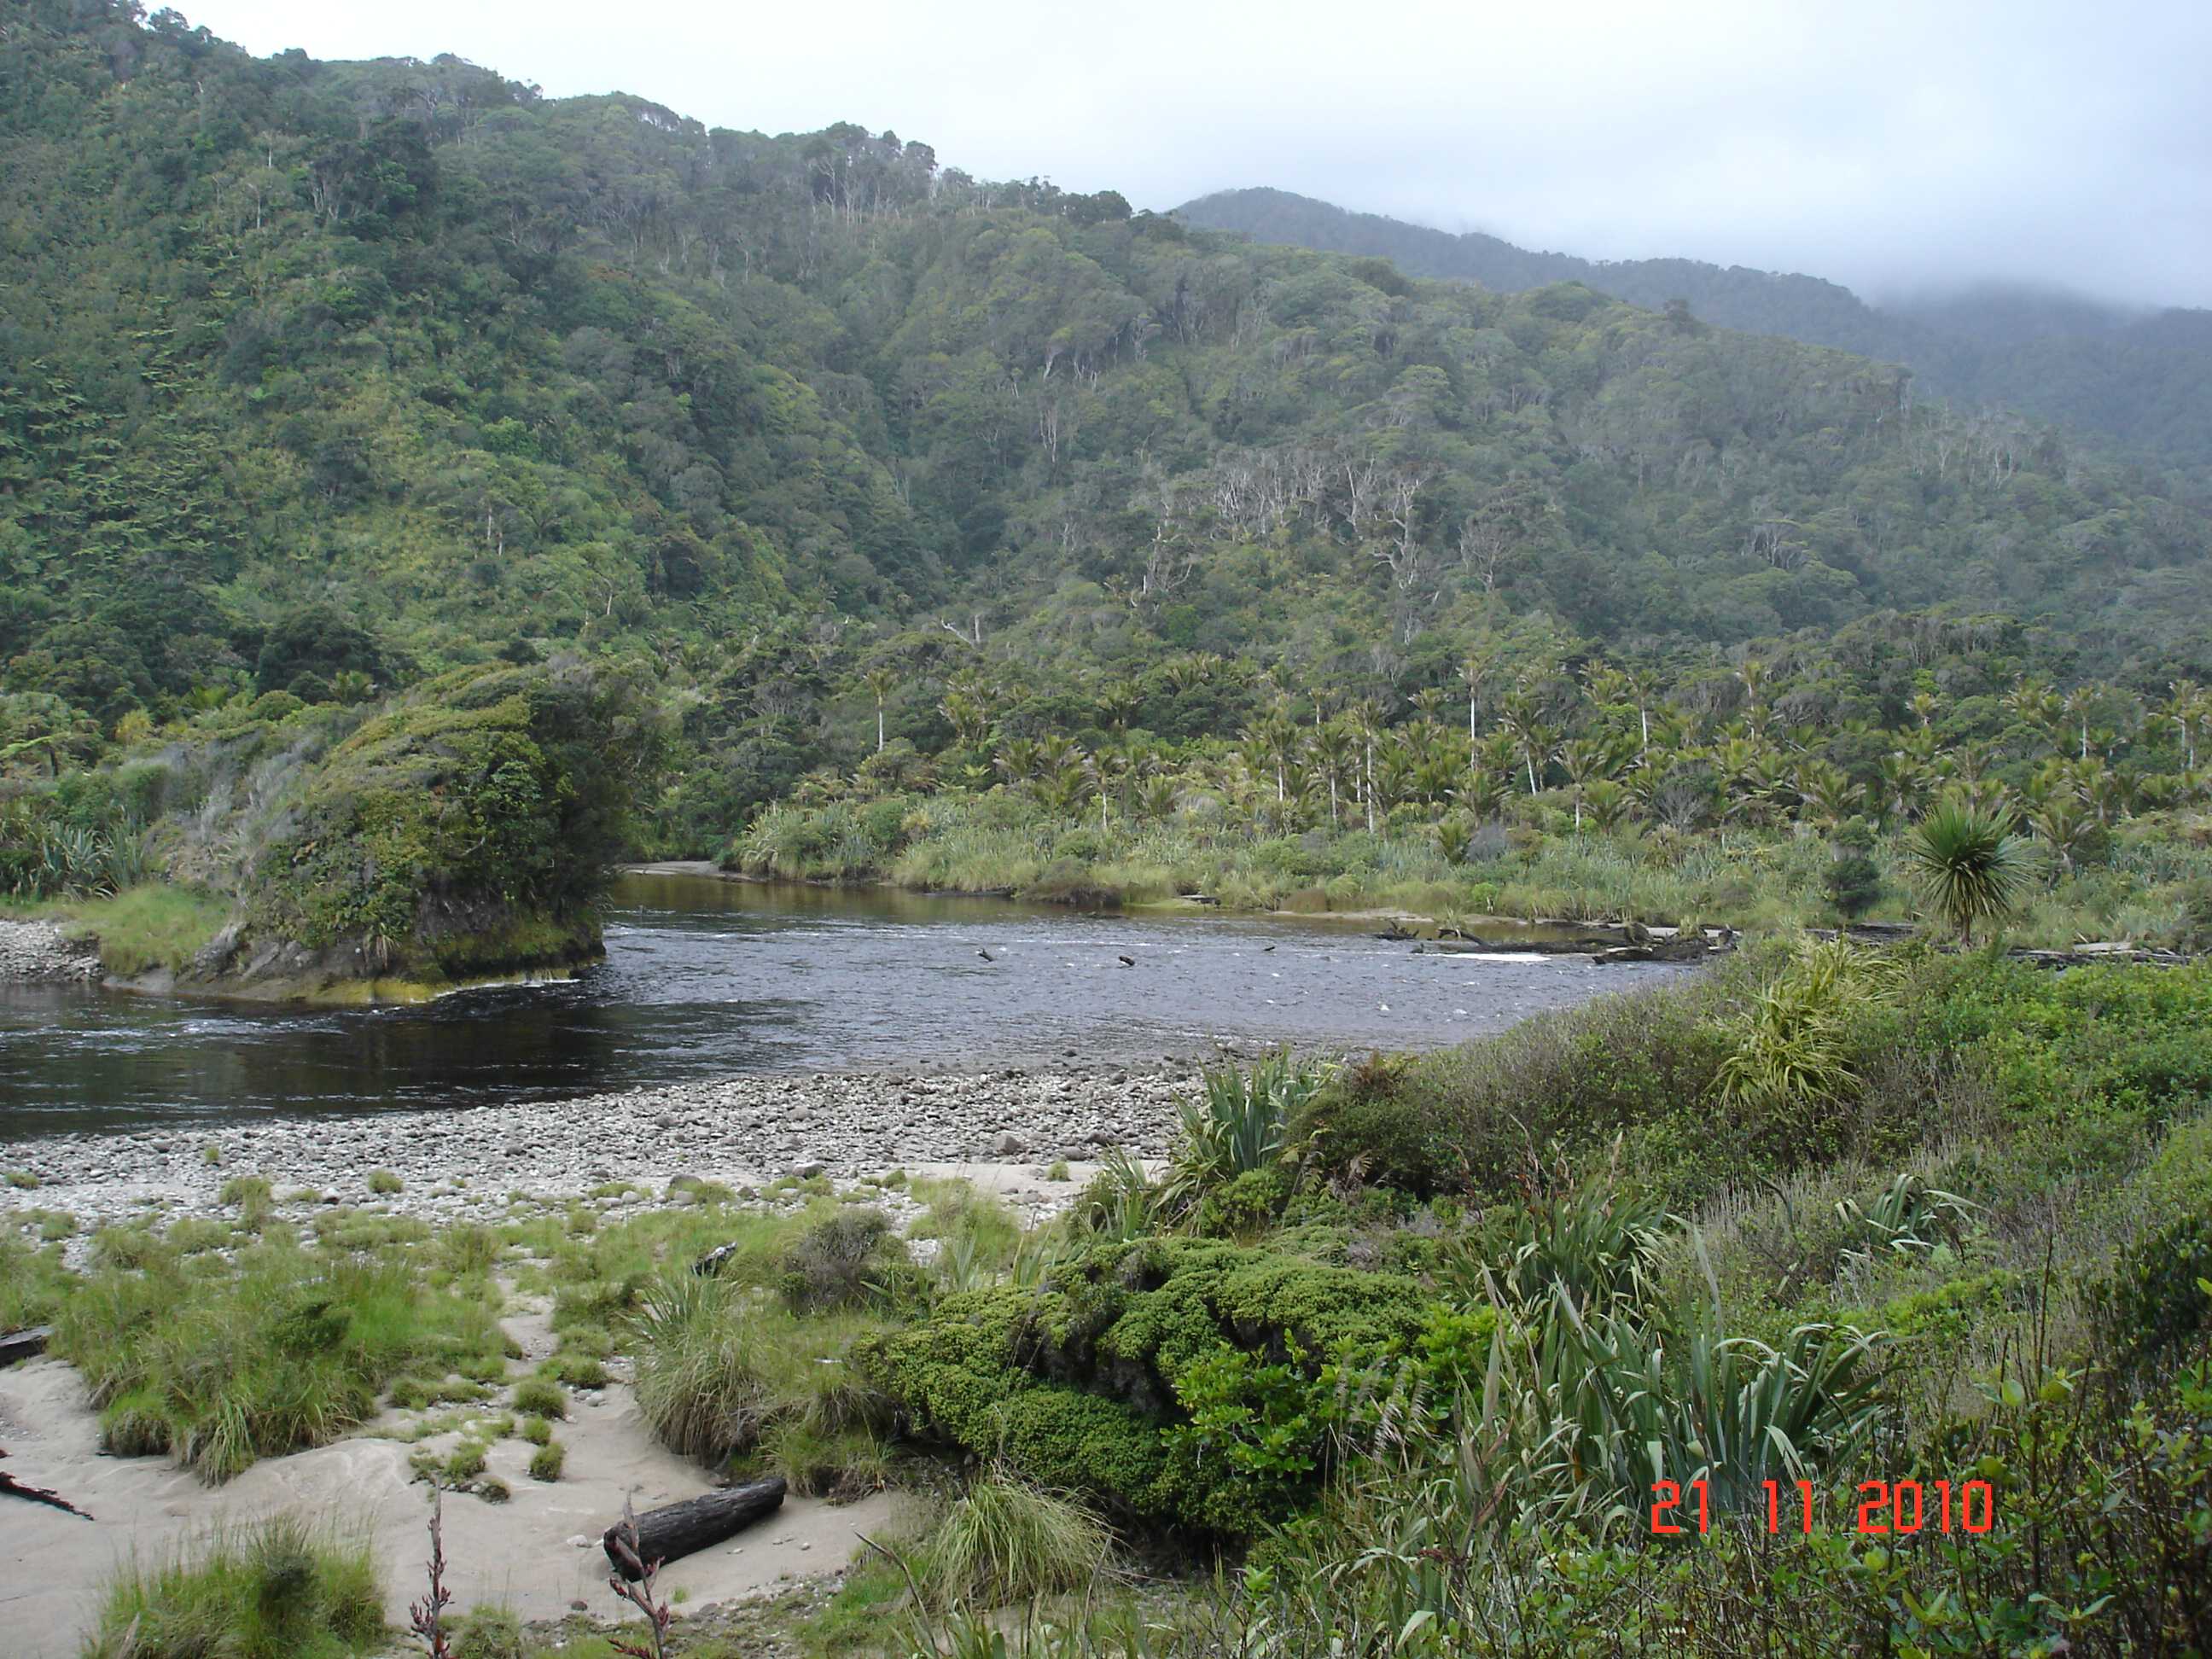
(881, 683)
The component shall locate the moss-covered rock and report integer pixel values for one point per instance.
(465, 831)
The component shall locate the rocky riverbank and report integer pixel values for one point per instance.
(1008, 1127)
(39, 953)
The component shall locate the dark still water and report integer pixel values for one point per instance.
(705, 977)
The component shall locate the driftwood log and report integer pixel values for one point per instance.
(11, 1487)
(24, 1345)
(677, 1530)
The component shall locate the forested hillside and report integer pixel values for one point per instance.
(2138, 381)
(323, 378)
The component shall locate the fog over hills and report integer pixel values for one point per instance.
(2135, 377)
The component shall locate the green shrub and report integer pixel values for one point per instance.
(1467, 1118)
(2151, 1301)
(1073, 1385)
(278, 1591)
(853, 1259)
(545, 1462)
(537, 1431)
(384, 1182)
(1245, 1205)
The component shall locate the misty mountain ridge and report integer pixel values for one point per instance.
(2139, 376)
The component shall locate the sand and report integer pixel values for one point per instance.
(537, 1554)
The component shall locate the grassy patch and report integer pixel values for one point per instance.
(34, 1281)
(144, 928)
(718, 1364)
(280, 1590)
(221, 1361)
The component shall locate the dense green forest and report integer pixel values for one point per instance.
(323, 380)
(2135, 379)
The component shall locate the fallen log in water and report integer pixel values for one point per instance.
(677, 1530)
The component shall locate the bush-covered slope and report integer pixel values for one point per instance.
(2134, 380)
(330, 379)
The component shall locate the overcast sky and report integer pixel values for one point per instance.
(1885, 144)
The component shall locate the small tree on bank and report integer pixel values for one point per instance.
(1968, 866)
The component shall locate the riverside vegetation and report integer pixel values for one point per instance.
(1387, 1357)
(389, 453)
(417, 492)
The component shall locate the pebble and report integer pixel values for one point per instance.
(38, 953)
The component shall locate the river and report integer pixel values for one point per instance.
(705, 977)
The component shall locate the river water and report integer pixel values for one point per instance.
(705, 977)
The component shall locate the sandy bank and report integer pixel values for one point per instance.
(538, 1554)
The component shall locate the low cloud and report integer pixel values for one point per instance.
(1885, 145)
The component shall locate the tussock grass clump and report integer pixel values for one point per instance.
(546, 1463)
(841, 1466)
(540, 1397)
(488, 1634)
(578, 1370)
(248, 1193)
(33, 1282)
(281, 1591)
(718, 1364)
(384, 1182)
(1007, 1542)
(597, 1280)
